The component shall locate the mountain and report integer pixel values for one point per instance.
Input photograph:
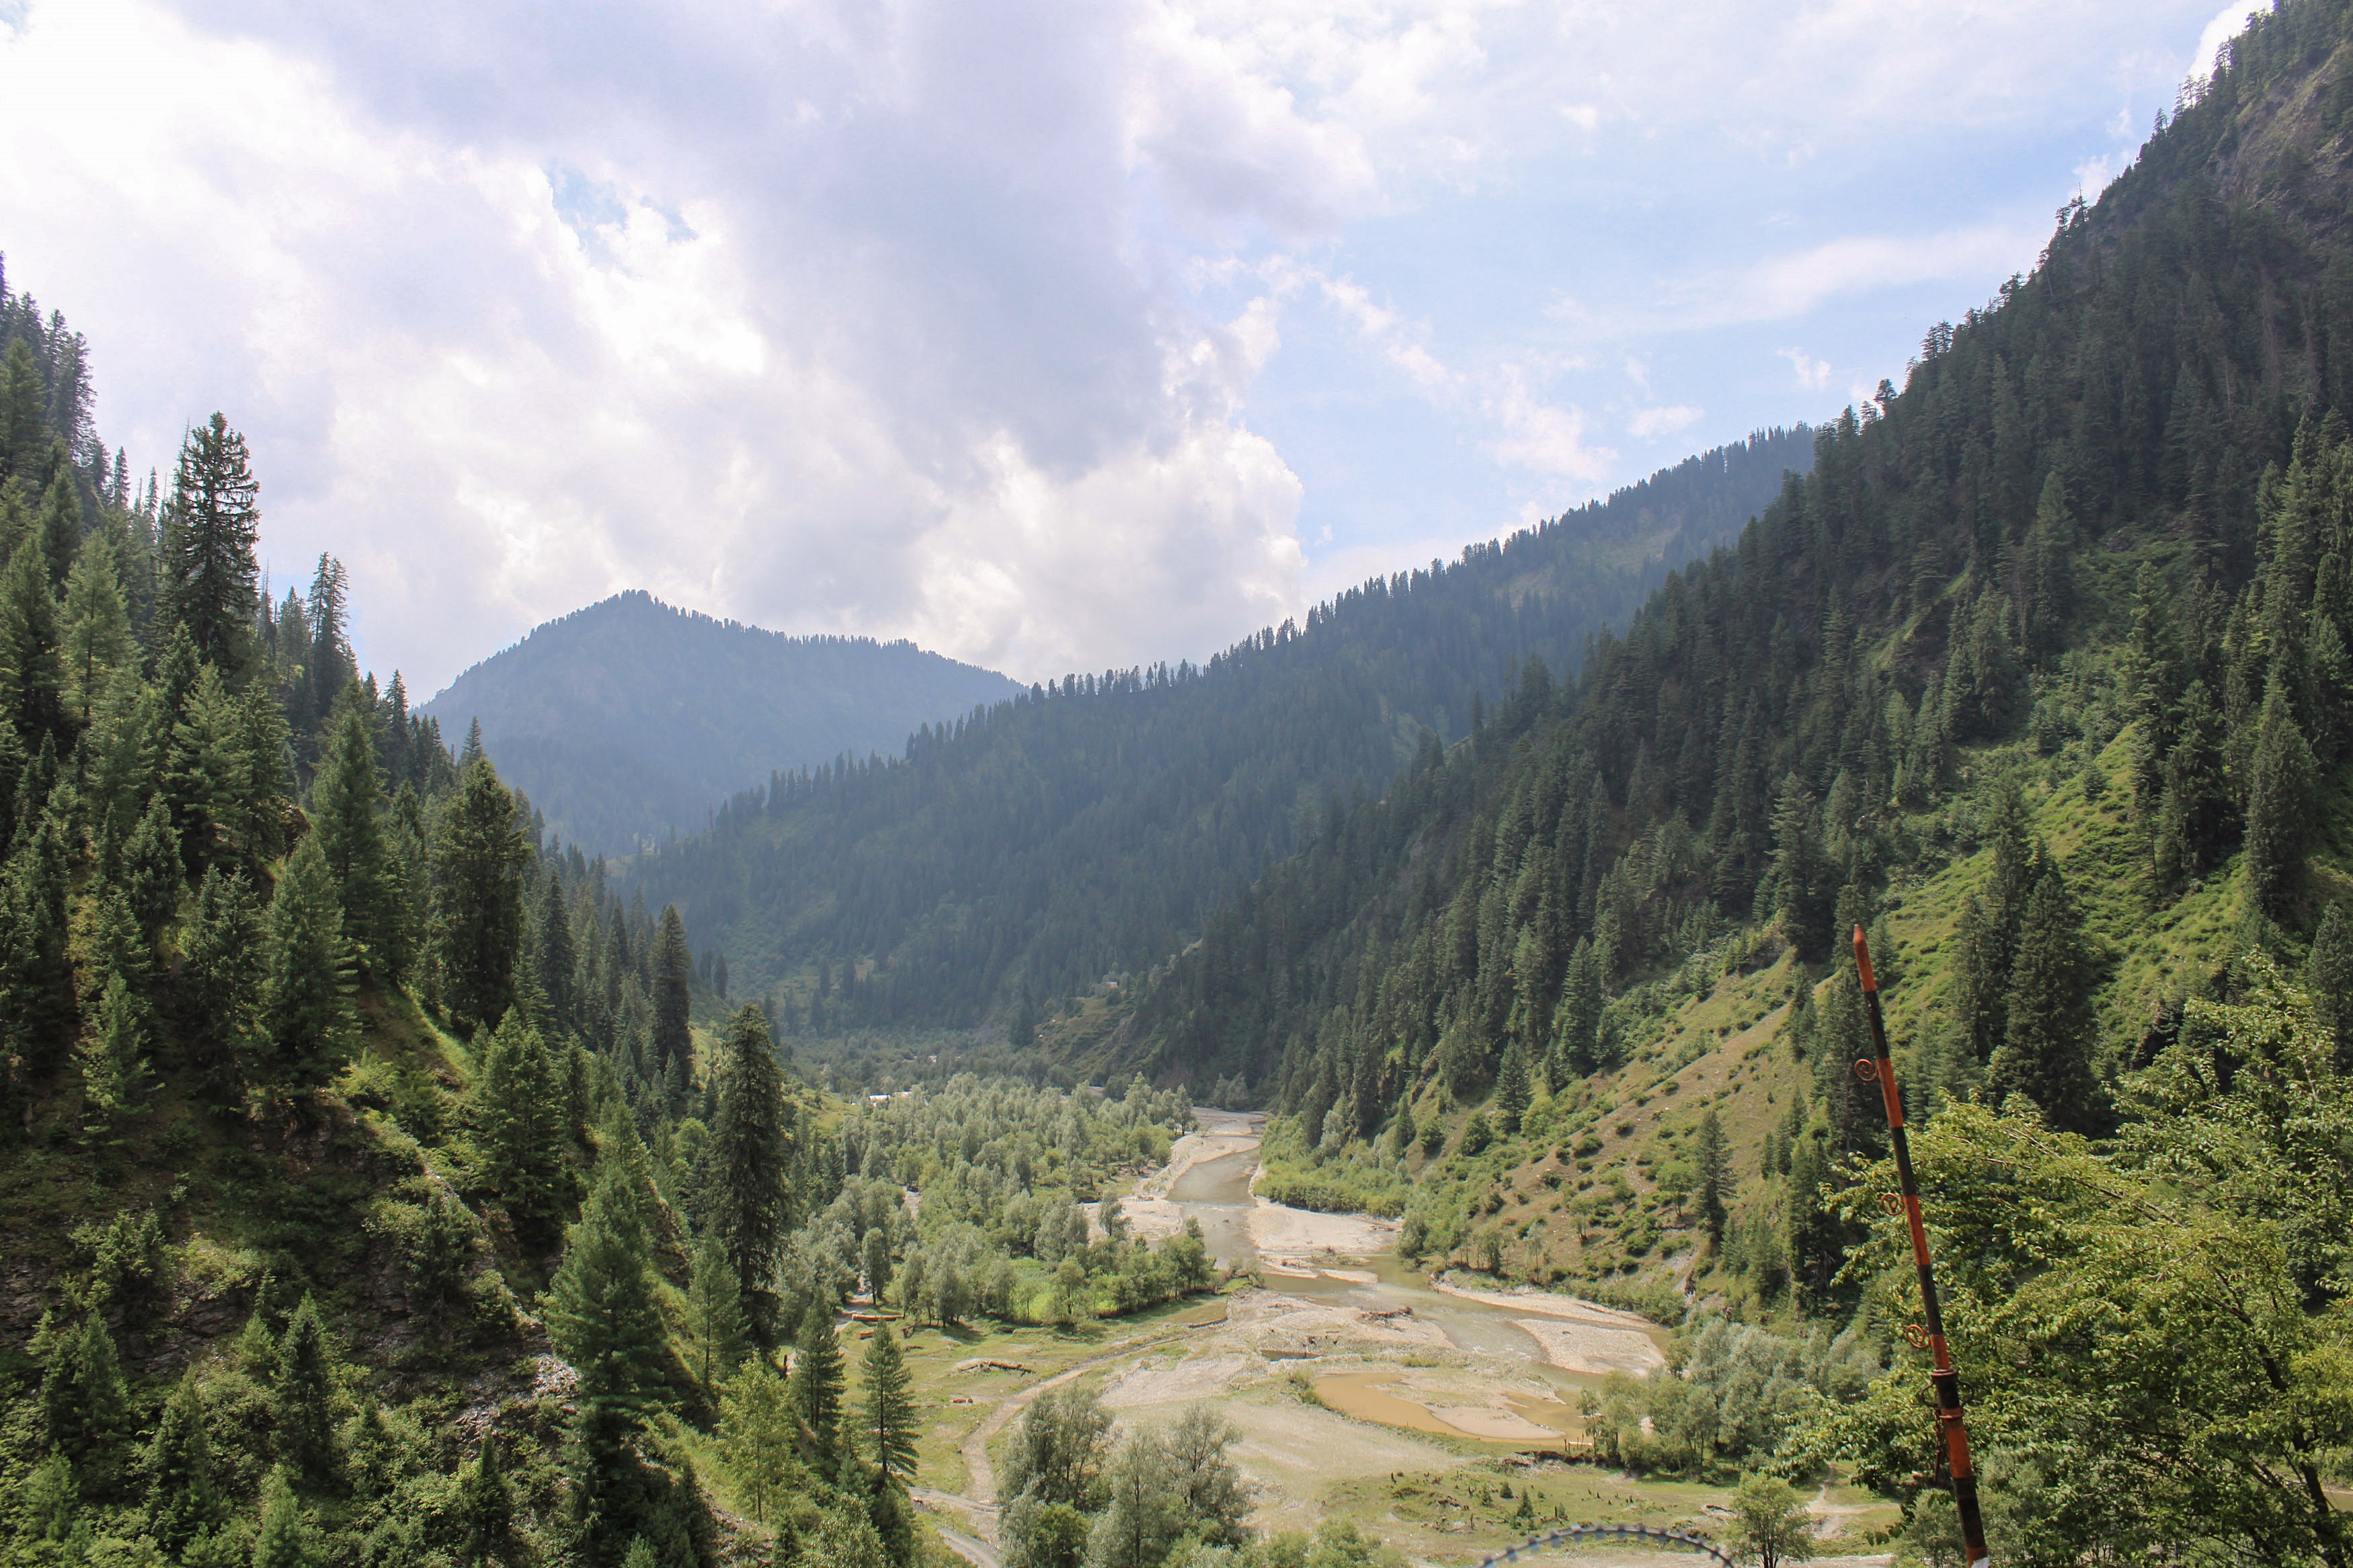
(2041, 674)
(630, 720)
(1091, 826)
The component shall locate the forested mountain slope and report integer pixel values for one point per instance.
(2041, 674)
(1030, 848)
(631, 721)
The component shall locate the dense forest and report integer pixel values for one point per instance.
(1027, 850)
(336, 1094)
(630, 721)
(2039, 673)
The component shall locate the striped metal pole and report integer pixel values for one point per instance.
(1948, 1382)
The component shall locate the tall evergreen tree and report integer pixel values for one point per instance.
(601, 1307)
(1577, 1020)
(307, 1012)
(477, 866)
(96, 641)
(60, 521)
(210, 529)
(519, 1107)
(226, 981)
(714, 1317)
(815, 1384)
(84, 1402)
(37, 994)
(673, 978)
(182, 1498)
(887, 1422)
(1716, 1176)
(558, 960)
(285, 1538)
(347, 805)
(302, 1398)
(751, 1154)
(2047, 1055)
(2279, 805)
(32, 650)
(1511, 1088)
(2328, 980)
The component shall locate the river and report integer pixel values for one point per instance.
(1215, 1193)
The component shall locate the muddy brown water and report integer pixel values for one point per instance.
(1216, 1193)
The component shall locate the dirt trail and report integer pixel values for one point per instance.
(979, 1498)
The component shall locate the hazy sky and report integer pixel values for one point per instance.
(1052, 335)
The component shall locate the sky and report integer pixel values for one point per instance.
(1053, 334)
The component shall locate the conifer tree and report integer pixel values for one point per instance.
(751, 1153)
(714, 1317)
(1577, 1020)
(488, 1506)
(36, 998)
(97, 642)
(672, 980)
(2047, 1055)
(346, 805)
(2328, 980)
(1512, 1088)
(558, 959)
(113, 1057)
(1716, 1176)
(32, 650)
(152, 876)
(478, 895)
(84, 1402)
(816, 1384)
(207, 567)
(887, 1423)
(601, 1307)
(285, 1538)
(301, 1398)
(60, 520)
(307, 1012)
(226, 980)
(2194, 811)
(519, 1107)
(756, 1436)
(2279, 805)
(182, 1500)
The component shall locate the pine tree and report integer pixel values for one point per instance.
(478, 865)
(487, 1505)
(1716, 1176)
(226, 981)
(888, 1425)
(2279, 805)
(24, 430)
(672, 981)
(815, 1382)
(32, 650)
(1512, 1088)
(558, 961)
(750, 1152)
(285, 1538)
(714, 1317)
(601, 1309)
(2328, 980)
(112, 1058)
(181, 1501)
(207, 569)
(1577, 1020)
(36, 997)
(756, 1430)
(84, 1403)
(2047, 1055)
(2194, 815)
(301, 1398)
(307, 1012)
(60, 522)
(346, 805)
(153, 877)
(97, 641)
(519, 1109)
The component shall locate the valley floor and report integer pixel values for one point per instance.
(1436, 1415)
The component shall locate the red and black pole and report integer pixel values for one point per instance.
(1946, 1380)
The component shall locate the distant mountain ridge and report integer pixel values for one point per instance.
(631, 718)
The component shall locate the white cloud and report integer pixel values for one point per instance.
(2228, 24)
(952, 321)
(1813, 373)
(1648, 424)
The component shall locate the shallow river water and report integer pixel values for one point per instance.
(1216, 1193)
